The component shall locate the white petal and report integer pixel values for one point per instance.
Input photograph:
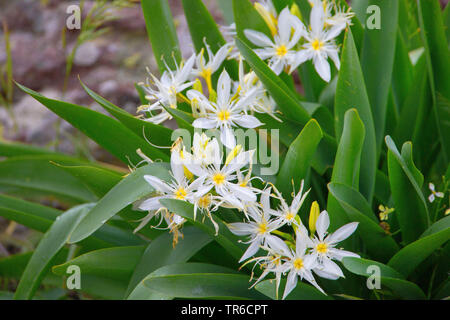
(158, 184)
(300, 57)
(251, 250)
(431, 197)
(291, 283)
(284, 25)
(431, 186)
(151, 204)
(223, 89)
(241, 229)
(247, 121)
(258, 38)
(322, 67)
(322, 224)
(227, 137)
(317, 19)
(176, 165)
(343, 232)
(331, 267)
(245, 194)
(339, 254)
(204, 123)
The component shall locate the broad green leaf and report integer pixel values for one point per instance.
(389, 277)
(130, 189)
(115, 263)
(351, 93)
(36, 173)
(226, 6)
(102, 288)
(438, 60)
(13, 149)
(110, 134)
(377, 60)
(380, 245)
(438, 226)
(225, 238)
(157, 134)
(408, 259)
(97, 180)
(406, 182)
(203, 27)
(184, 120)
(162, 33)
(281, 4)
(347, 164)
(402, 74)
(52, 242)
(302, 291)
(246, 17)
(284, 97)
(298, 158)
(198, 280)
(160, 252)
(40, 218)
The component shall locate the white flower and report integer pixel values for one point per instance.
(258, 228)
(268, 12)
(434, 193)
(179, 188)
(280, 51)
(299, 264)
(324, 247)
(319, 45)
(204, 150)
(206, 69)
(225, 113)
(166, 91)
(287, 213)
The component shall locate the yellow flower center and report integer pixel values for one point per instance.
(281, 51)
(223, 115)
(204, 201)
(298, 263)
(262, 228)
(180, 193)
(289, 216)
(322, 248)
(218, 178)
(317, 44)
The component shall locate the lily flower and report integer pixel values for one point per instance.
(324, 247)
(226, 112)
(279, 51)
(288, 213)
(320, 45)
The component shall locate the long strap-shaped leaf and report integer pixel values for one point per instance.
(388, 277)
(406, 182)
(199, 280)
(130, 189)
(351, 93)
(107, 132)
(160, 252)
(162, 33)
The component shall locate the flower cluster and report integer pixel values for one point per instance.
(205, 178)
(294, 44)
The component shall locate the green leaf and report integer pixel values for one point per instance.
(438, 60)
(157, 134)
(12, 149)
(226, 6)
(302, 291)
(378, 243)
(110, 134)
(402, 74)
(351, 93)
(389, 277)
(127, 191)
(406, 182)
(98, 181)
(225, 238)
(347, 164)
(162, 33)
(202, 26)
(52, 242)
(408, 259)
(377, 60)
(298, 158)
(114, 263)
(40, 218)
(280, 92)
(36, 173)
(162, 247)
(198, 280)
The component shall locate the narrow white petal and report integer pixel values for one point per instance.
(322, 67)
(258, 38)
(291, 283)
(251, 250)
(322, 224)
(204, 123)
(343, 232)
(227, 137)
(247, 121)
(158, 184)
